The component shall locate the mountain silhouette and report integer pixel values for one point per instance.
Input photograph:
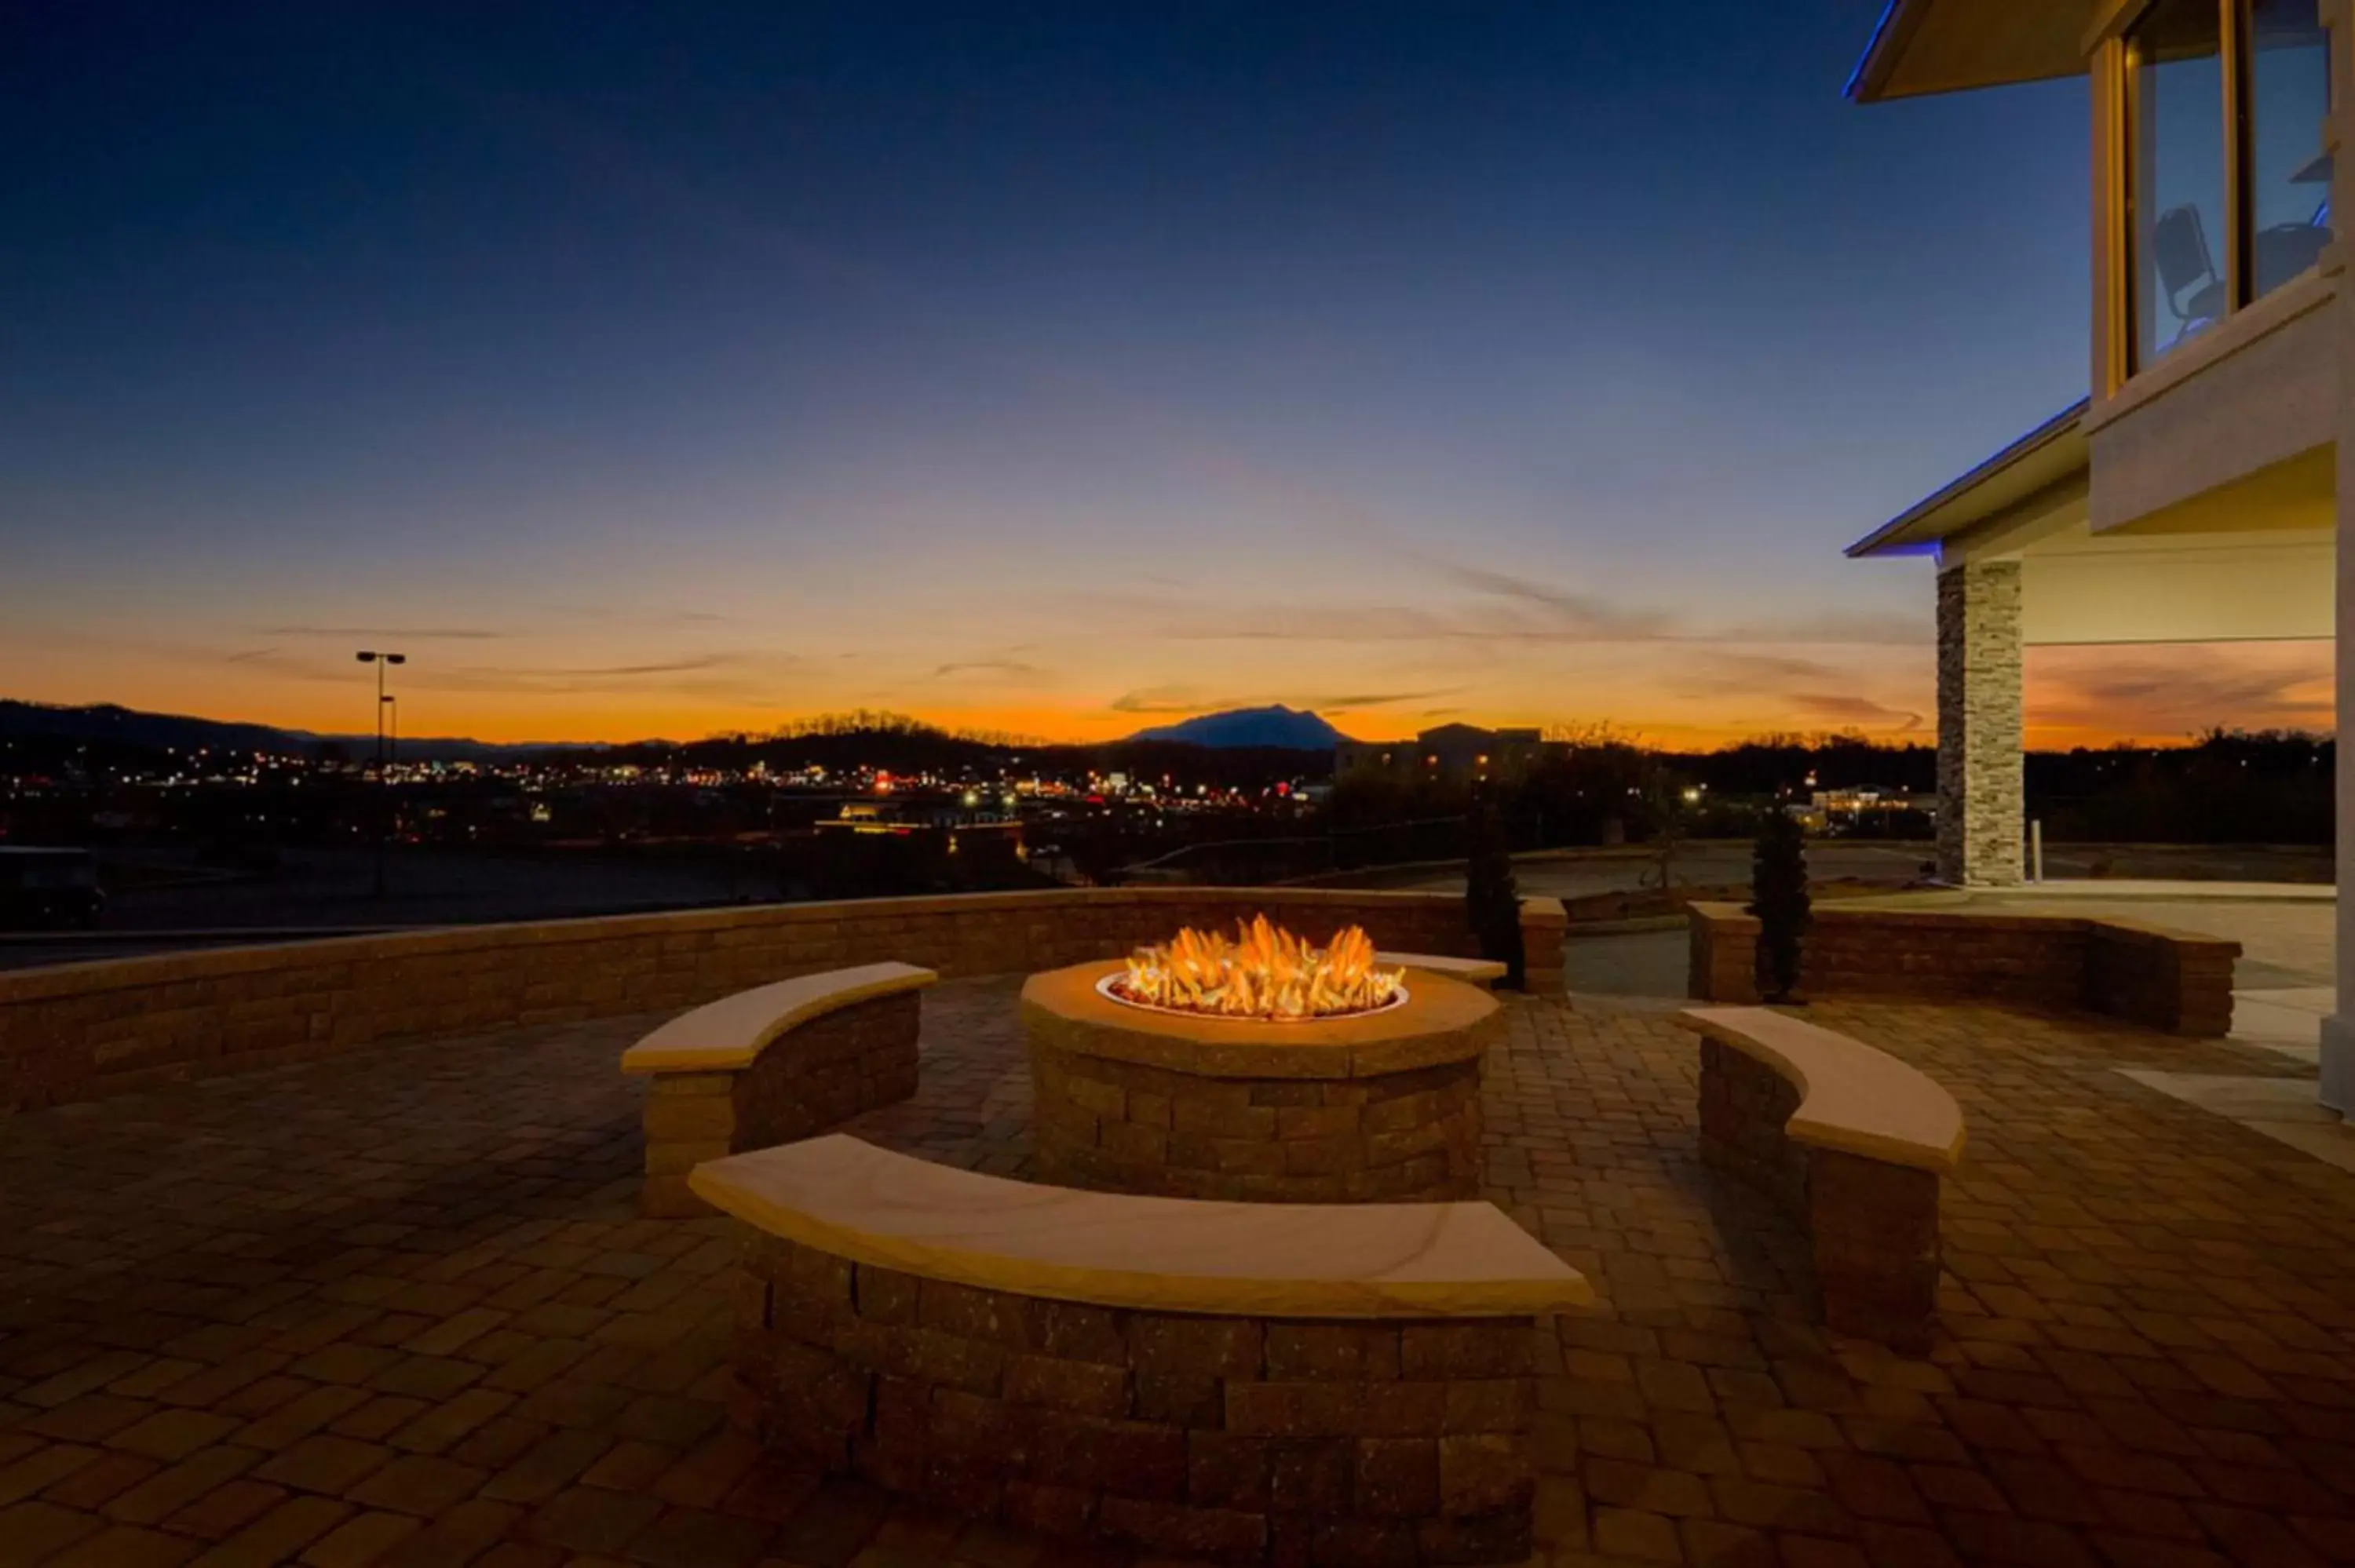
(1277, 726)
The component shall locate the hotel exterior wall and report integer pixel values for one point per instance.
(80, 1032)
(2259, 389)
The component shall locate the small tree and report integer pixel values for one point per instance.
(1778, 896)
(1491, 901)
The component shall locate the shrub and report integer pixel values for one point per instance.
(1491, 901)
(1778, 896)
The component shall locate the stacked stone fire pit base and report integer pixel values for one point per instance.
(1381, 1107)
(1243, 1440)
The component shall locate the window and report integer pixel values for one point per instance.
(2175, 175)
(2227, 180)
(2288, 95)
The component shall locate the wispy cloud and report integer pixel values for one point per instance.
(1492, 609)
(1717, 671)
(752, 676)
(1162, 700)
(1007, 669)
(2167, 693)
(413, 633)
(1833, 707)
(1569, 612)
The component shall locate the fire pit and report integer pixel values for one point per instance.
(1260, 1068)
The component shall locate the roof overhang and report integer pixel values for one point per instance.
(2053, 454)
(1950, 46)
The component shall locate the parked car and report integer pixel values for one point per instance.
(49, 889)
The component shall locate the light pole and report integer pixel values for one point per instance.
(383, 775)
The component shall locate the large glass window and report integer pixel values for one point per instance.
(2289, 171)
(2175, 178)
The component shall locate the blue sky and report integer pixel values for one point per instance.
(657, 369)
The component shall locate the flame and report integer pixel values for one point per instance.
(1265, 972)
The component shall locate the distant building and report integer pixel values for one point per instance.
(962, 826)
(1865, 800)
(1458, 752)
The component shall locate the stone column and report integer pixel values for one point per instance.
(1979, 763)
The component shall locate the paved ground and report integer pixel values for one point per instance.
(398, 1310)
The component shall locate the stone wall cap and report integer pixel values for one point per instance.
(1851, 1097)
(1478, 971)
(853, 1200)
(102, 976)
(2144, 931)
(726, 1036)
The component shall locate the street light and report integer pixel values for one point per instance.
(383, 776)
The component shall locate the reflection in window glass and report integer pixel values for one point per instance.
(2176, 177)
(2289, 172)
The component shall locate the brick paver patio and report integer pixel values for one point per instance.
(400, 1309)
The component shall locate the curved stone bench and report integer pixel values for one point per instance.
(1849, 1140)
(1481, 972)
(772, 1064)
(1247, 1381)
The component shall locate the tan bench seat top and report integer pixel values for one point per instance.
(854, 1200)
(727, 1034)
(1480, 971)
(1851, 1097)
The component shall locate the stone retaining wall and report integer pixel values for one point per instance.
(2146, 974)
(79, 1032)
(1240, 1439)
(1125, 1126)
(1872, 1226)
(812, 1077)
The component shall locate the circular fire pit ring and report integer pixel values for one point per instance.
(1375, 1106)
(1109, 988)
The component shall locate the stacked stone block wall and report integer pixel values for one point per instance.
(814, 1076)
(1240, 1439)
(2178, 983)
(1872, 1227)
(78, 1032)
(2167, 980)
(1123, 1127)
(1545, 927)
(1721, 954)
(1744, 1106)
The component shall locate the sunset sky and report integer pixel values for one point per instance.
(653, 370)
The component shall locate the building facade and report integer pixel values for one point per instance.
(2194, 494)
(1456, 753)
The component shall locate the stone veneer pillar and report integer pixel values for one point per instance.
(1981, 804)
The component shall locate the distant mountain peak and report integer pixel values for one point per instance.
(1275, 725)
(113, 722)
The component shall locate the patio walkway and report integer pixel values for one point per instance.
(399, 1309)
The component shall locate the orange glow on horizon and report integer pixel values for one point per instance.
(2075, 697)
